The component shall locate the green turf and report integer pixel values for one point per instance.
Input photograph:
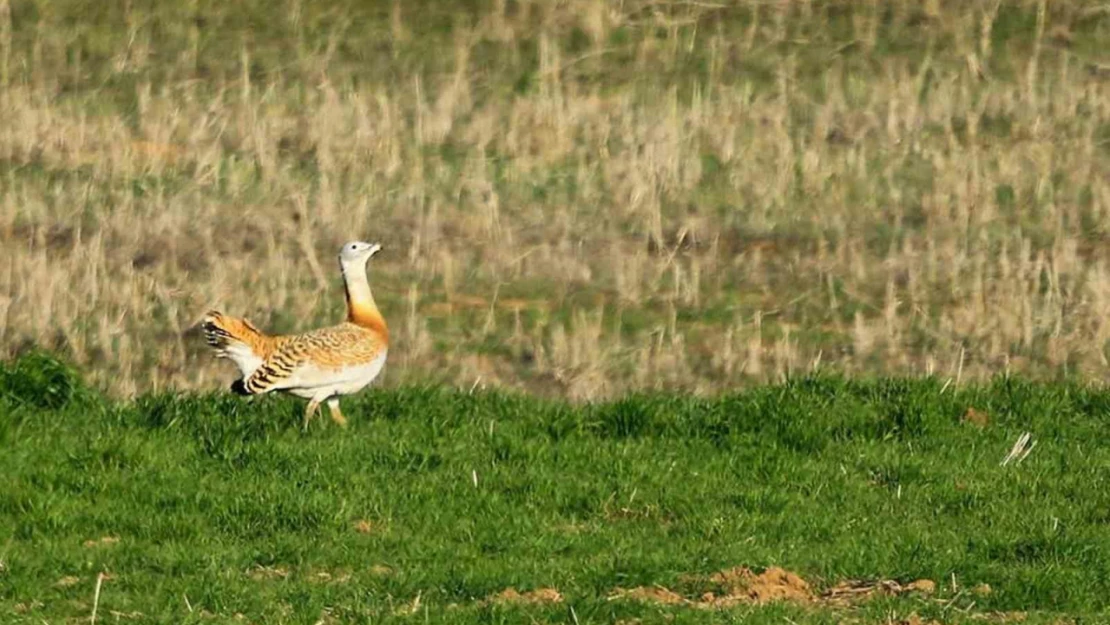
(229, 504)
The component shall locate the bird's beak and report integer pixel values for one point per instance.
(375, 248)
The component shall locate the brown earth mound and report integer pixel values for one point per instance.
(653, 594)
(102, 542)
(739, 585)
(259, 572)
(857, 590)
(976, 418)
(539, 595)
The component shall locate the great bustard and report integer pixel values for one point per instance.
(319, 365)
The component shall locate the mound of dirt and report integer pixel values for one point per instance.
(857, 590)
(926, 586)
(260, 573)
(741, 585)
(380, 570)
(539, 595)
(1001, 617)
(652, 594)
(976, 418)
(738, 585)
(102, 542)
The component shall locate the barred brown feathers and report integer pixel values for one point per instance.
(220, 331)
(320, 365)
(335, 348)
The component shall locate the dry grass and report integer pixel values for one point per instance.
(579, 197)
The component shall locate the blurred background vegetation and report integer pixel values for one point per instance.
(578, 197)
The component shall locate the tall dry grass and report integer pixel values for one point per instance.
(580, 197)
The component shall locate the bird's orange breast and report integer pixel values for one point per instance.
(370, 318)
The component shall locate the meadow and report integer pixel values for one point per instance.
(576, 198)
(701, 311)
(440, 505)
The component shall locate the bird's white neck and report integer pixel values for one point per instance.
(361, 308)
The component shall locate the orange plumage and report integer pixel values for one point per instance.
(320, 365)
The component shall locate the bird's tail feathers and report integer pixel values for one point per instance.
(237, 339)
(239, 387)
(222, 330)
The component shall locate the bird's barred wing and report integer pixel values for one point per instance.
(312, 358)
(276, 371)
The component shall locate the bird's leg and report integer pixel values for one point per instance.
(310, 411)
(336, 414)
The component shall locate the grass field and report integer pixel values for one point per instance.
(652, 268)
(209, 509)
(576, 198)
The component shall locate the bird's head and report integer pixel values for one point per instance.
(356, 253)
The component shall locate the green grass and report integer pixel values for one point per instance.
(832, 478)
(645, 160)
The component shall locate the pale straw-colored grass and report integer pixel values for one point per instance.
(645, 211)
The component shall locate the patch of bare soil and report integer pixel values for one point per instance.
(852, 591)
(380, 570)
(976, 418)
(329, 577)
(539, 595)
(259, 573)
(740, 585)
(982, 590)
(1001, 617)
(102, 542)
(652, 594)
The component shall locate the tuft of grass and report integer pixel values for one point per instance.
(39, 380)
(209, 508)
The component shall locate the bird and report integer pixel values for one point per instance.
(320, 365)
